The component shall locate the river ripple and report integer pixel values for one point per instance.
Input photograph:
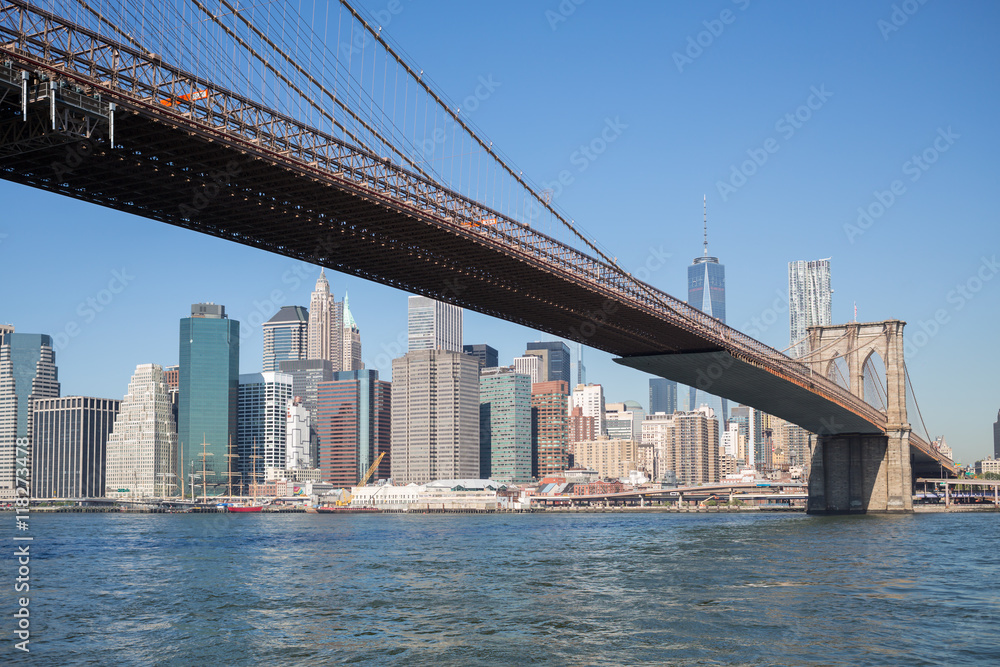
(555, 589)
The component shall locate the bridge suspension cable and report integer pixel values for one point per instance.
(911, 393)
(276, 127)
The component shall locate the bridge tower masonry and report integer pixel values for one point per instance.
(863, 472)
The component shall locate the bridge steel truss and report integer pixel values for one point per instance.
(184, 151)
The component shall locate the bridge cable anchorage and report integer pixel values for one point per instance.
(336, 100)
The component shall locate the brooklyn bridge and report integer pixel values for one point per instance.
(224, 120)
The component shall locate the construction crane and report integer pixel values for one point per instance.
(348, 496)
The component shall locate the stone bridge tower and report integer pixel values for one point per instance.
(863, 472)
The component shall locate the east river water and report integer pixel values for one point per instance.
(548, 589)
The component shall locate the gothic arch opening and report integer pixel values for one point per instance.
(874, 387)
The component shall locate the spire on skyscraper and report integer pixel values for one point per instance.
(348, 317)
(326, 325)
(704, 207)
(322, 284)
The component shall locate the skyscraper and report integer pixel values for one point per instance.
(354, 413)
(209, 397)
(70, 437)
(298, 427)
(610, 457)
(809, 301)
(488, 357)
(306, 376)
(707, 282)
(590, 399)
(351, 341)
(624, 420)
(504, 426)
(550, 427)
(581, 426)
(27, 372)
(662, 396)
(996, 437)
(325, 334)
(433, 325)
(685, 444)
(556, 361)
(285, 336)
(745, 418)
(263, 425)
(142, 447)
(435, 417)
(529, 365)
(707, 293)
(581, 370)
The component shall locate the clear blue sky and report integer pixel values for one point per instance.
(686, 117)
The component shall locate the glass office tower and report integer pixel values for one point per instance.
(209, 398)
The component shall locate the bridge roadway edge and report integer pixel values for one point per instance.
(856, 467)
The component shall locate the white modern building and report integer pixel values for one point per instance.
(529, 365)
(433, 325)
(809, 301)
(297, 436)
(590, 398)
(731, 440)
(263, 425)
(450, 495)
(142, 451)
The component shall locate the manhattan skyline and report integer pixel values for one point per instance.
(843, 130)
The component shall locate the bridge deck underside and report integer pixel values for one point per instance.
(164, 172)
(722, 374)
